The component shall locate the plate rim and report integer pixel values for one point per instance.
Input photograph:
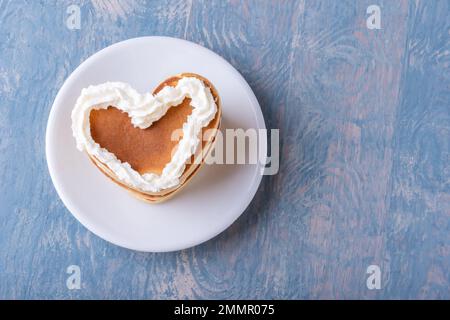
(72, 208)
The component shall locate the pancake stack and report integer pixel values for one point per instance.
(149, 150)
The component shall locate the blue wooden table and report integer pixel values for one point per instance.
(364, 180)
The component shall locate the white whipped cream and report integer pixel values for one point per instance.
(144, 110)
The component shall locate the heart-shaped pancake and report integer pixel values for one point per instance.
(150, 144)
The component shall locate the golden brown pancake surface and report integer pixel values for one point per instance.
(146, 150)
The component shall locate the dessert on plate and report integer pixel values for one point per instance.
(150, 144)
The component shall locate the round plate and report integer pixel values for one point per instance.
(211, 201)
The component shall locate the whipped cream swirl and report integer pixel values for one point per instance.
(144, 109)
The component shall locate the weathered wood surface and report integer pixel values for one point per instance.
(365, 165)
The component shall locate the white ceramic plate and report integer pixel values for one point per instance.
(212, 200)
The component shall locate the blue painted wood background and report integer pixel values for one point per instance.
(365, 164)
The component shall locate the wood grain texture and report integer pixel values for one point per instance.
(364, 117)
